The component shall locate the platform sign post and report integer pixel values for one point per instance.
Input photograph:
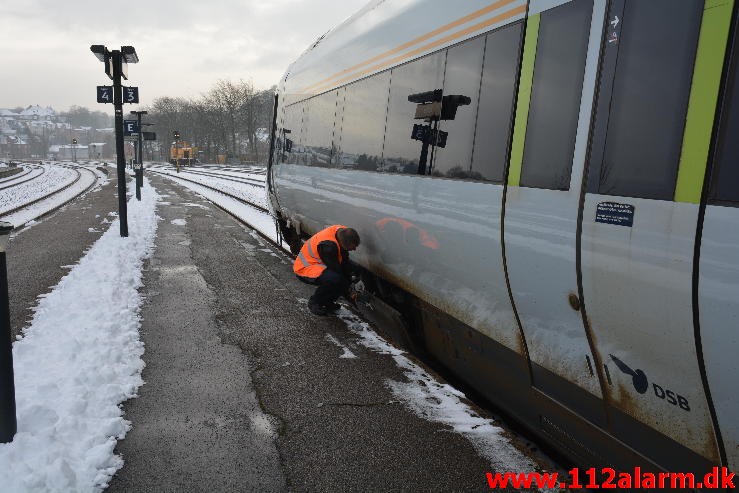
(116, 67)
(140, 154)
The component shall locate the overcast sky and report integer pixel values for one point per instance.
(184, 46)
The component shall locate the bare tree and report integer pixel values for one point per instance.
(231, 118)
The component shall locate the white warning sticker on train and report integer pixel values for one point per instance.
(615, 213)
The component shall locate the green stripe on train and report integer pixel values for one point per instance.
(524, 99)
(704, 91)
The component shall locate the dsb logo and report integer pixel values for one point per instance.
(672, 397)
(641, 384)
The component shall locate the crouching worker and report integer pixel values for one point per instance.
(324, 261)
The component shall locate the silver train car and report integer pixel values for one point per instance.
(548, 197)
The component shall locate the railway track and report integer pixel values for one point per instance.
(233, 214)
(11, 182)
(247, 181)
(251, 170)
(227, 194)
(57, 191)
(26, 170)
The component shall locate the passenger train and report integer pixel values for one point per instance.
(547, 193)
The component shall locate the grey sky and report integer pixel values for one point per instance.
(184, 46)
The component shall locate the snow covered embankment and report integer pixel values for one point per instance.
(78, 360)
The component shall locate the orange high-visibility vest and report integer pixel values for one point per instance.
(308, 263)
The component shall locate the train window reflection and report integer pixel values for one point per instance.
(319, 129)
(555, 96)
(401, 152)
(461, 77)
(497, 96)
(290, 133)
(363, 126)
(725, 183)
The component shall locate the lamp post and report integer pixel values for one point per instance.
(8, 422)
(116, 66)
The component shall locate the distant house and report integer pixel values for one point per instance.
(13, 146)
(73, 152)
(7, 114)
(96, 150)
(36, 112)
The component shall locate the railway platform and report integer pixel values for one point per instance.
(245, 390)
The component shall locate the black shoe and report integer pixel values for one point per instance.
(317, 309)
(332, 307)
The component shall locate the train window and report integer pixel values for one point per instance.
(649, 99)
(461, 88)
(291, 130)
(497, 95)
(725, 178)
(363, 126)
(419, 80)
(555, 96)
(318, 141)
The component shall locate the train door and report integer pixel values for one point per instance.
(659, 78)
(718, 283)
(553, 112)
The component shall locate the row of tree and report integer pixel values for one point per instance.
(232, 121)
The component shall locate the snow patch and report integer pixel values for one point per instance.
(442, 403)
(347, 352)
(77, 362)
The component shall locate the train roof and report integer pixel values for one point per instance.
(386, 33)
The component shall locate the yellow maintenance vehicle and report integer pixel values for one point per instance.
(182, 153)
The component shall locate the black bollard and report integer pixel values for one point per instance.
(8, 421)
(139, 171)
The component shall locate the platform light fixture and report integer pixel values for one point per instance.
(129, 54)
(100, 51)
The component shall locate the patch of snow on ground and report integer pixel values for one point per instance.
(77, 362)
(442, 403)
(347, 352)
(178, 222)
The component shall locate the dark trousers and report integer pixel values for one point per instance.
(330, 284)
